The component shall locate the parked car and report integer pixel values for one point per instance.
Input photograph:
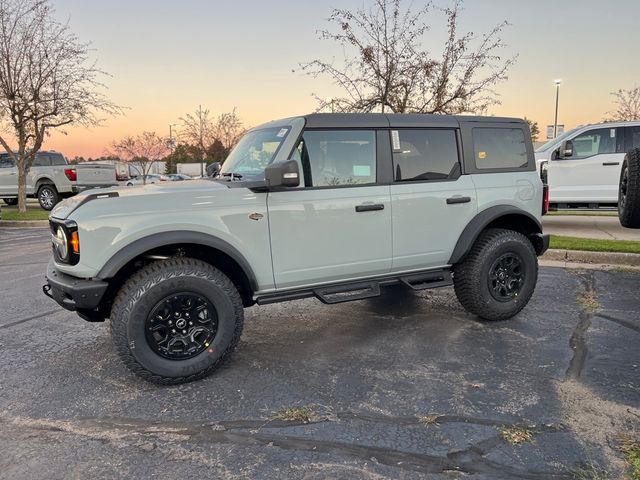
(52, 178)
(583, 166)
(153, 178)
(178, 177)
(332, 206)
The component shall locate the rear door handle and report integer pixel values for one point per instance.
(610, 164)
(452, 200)
(369, 207)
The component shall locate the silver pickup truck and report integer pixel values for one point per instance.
(51, 178)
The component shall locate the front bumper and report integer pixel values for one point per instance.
(74, 294)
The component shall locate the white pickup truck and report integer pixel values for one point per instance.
(51, 178)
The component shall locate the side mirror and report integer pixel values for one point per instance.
(282, 174)
(566, 149)
(213, 169)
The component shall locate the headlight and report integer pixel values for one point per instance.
(61, 243)
(66, 243)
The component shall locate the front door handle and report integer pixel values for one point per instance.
(452, 200)
(369, 207)
(610, 164)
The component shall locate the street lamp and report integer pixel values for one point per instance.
(171, 125)
(555, 122)
(330, 102)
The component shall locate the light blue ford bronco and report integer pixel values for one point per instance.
(332, 206)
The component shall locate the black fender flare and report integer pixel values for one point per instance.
(156, 240)
(480, 222)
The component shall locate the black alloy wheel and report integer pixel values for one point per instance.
(181, 326)
(506, 277)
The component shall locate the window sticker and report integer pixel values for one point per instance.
(612, 133)
(482, 155)
(282, 132)
(395, 140)
(362, 170)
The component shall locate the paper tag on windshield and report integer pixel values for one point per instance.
(282, 132)
(395, 140)
(612, 133)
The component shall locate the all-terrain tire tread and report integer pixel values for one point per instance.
(630, 214)
(142, 281)
(467, 274)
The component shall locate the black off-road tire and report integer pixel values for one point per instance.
(471, 277)
(48, 196)
(136, 299)
(11, 201)
(629, 191)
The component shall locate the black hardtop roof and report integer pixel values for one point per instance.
(385, 120)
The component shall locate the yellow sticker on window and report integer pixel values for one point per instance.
(482, 155)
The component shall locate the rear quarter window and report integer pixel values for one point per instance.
(499, 148)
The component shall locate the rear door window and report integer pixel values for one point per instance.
(633, 138)
(499, 148)
(42, 160)
(424, 154)
(57, 159)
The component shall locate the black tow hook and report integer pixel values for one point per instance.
(46, 289)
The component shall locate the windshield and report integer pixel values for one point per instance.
(555, 141)
(253, 153)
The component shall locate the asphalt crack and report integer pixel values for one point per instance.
(28, 319)
(578, 340)
(243, 433)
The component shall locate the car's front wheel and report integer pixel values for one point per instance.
(176, 320)
(498, 276)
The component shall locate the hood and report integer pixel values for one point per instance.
(159, 192)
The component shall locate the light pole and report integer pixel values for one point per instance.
(555, 122)
(171, 125)
(330, 102)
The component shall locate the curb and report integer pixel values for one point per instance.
(24, 223)
(600, 258)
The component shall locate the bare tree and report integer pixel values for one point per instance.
(142, 151)
(201, 130)
(627, 105)
(229, 129)
(386, 67)
(46, 82)
(198, 129)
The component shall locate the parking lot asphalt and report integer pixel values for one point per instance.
(406, 385)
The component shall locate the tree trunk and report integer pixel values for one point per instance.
(22, 187)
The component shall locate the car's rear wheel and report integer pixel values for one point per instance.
(497, 278)
(176, 320)
(629, 191)
(48, 197)
(11, 201)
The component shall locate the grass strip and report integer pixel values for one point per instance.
(594, 245)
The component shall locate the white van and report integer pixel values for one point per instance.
(582, 166)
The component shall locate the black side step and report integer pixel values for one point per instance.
(422, 281)
(348, 293)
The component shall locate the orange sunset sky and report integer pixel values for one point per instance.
(167, 57)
